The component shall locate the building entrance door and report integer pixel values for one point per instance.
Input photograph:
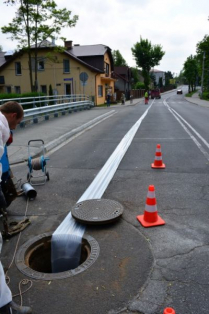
(68, 89)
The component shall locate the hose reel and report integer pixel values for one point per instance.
(37, 164)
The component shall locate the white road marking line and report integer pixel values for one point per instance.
(178, 117)
(198, 135)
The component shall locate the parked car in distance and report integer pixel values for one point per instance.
(155, 93)
(179, 91)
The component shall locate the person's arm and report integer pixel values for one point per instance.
(1, 144)
(3, 204)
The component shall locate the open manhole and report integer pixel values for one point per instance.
(97, 211)
(34, 258)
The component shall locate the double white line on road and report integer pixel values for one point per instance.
(184, 123)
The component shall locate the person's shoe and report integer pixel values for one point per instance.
(13, 308)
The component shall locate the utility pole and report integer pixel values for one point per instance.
(203, 67)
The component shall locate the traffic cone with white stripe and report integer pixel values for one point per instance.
(158, 162)
(169, 310)
(150, 217)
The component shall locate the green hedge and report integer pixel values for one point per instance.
(191, 93)
(13, 95)
(205, 95)
(139, 85)
(26, 95)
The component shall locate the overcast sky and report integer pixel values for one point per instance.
(177, 25)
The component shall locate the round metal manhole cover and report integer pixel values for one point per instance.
(97, 211)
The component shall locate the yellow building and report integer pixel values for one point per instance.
(73, 70)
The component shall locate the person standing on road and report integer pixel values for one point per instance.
(123, 99)
(146, 97)
(108, 98)
(11, 113)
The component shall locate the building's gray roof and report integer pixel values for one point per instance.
(82, 62)
(2, 59)
(88, 50)
(156, 70)
(75, 52)
(44, 44)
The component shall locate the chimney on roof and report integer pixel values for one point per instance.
(68, 44)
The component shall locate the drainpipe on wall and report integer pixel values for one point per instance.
(95, 89)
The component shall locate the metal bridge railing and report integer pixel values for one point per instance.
(44, 106)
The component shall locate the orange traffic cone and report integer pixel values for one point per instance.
(158, 162)
(150, 217)
(169, 310)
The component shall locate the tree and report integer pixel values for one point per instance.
(1, 49)
(146, 57)
(190, 71)
(134, 77)
(168, 77)
(153, 79)
(203, 52)
(36, 21)
(139, 85)
(118, 59)
(160, 82)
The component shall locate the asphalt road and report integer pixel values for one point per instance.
(139, 270)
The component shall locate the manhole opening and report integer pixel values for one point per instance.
(38, 255)
(33, 258)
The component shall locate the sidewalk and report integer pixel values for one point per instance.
(197, 101)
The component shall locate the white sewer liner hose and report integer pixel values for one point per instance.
(66, 240)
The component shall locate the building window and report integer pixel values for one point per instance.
(17, 90)
(44, 89)
(41, 65)
(66, 66)
(100, 90)
(106, 69)
(8, 89)
(2, 80)
(18, 70)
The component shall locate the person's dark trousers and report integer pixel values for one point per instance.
(13, 308)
